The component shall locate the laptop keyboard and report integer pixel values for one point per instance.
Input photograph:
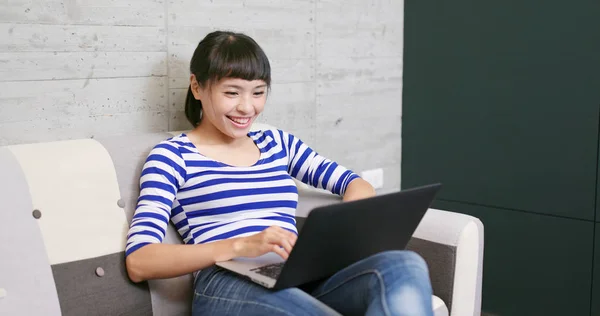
(270, 270)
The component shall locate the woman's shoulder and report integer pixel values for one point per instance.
(271, 134)
(176, 144)
(261, 129)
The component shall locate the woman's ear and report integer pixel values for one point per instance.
(196, 89)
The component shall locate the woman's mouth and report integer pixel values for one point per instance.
(239, 121)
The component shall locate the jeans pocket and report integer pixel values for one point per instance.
(205, 278)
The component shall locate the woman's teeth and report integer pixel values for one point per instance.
(240, 120)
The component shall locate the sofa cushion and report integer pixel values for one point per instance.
(443, 256)
(169, 296)
(103, 285)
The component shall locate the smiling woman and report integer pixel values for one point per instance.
(230, 193)
(226, 55)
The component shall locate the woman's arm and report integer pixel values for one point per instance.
(358, 189)
(162, 175)
(161, 261)
(308, 166)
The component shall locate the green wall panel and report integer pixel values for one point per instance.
(533, 264)
(501, 100)
(598, 184)
(596, 286)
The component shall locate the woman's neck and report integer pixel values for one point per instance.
(207, 134)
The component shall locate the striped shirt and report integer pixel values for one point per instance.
(207, 200)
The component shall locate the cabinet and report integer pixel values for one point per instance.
(533, 264)
(501, 100)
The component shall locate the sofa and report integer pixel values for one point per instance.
(65, 211)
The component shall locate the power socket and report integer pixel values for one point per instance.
(374, 177)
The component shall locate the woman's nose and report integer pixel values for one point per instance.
(245, 105)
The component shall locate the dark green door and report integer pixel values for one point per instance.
(501, 102)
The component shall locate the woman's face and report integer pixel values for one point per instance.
(231, 104)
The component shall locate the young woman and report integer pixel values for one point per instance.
(230, 193)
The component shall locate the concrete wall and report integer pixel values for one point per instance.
(88, 68)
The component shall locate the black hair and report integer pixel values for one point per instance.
(224, 54)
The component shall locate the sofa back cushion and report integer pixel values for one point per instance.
(128, 154)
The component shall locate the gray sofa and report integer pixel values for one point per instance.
(65, 213)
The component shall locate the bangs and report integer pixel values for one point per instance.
(239, 58)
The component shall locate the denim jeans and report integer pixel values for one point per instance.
(388, 283)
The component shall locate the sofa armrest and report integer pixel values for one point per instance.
(452, 245)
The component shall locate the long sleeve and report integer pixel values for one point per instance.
(313, 169)
(162, 175)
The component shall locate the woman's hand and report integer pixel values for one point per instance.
(273, 239)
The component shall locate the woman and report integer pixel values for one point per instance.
(230, 193)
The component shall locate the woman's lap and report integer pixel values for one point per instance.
(220, 292)
(389, 283)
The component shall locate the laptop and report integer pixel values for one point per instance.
(338, 235)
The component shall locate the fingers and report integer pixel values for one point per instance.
(284, 233)
(286, 245)
(281, 238)
(292, 238)
(280, 251)
(288, 235)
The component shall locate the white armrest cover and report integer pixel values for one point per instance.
(457, 240)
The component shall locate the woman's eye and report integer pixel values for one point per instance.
(259, 93)
(231, 93)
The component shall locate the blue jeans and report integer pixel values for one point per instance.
(388, 283)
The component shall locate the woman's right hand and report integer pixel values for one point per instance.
(273, 239)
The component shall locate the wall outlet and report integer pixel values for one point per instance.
(374, 177)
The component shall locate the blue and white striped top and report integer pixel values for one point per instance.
(208, 200)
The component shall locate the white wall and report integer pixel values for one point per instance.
(87, 68)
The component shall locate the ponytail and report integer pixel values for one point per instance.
(193, 108)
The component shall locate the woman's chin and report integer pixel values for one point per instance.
(240, 130)
(237, 132)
